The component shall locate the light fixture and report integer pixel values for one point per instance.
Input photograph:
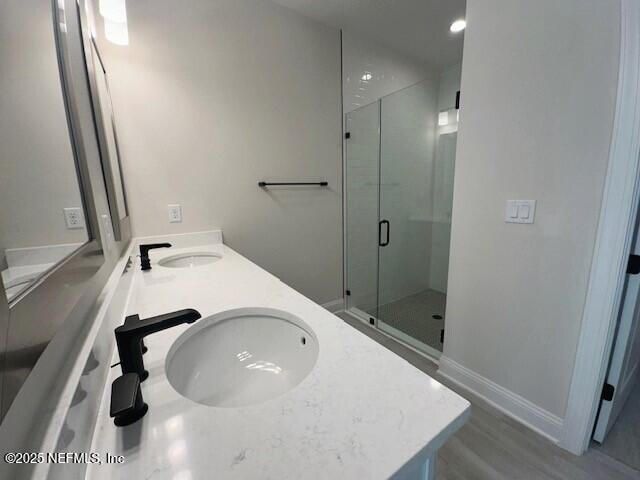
(114, 13)
(448, 118)
(458, 25)
(116, 32)
(114, 10)
(367, 76)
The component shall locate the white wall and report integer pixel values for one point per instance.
(37, 168)
(213, 97)
(539, 84)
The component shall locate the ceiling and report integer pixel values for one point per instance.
(417, 28)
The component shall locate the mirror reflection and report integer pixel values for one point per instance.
(109, 143)
(42, 219)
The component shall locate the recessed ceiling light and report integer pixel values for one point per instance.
(458, 25)
(367, 76)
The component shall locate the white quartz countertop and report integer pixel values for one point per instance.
(362, 412)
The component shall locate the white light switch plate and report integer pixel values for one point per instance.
(73, 218)
(520, 211)
(175, 213)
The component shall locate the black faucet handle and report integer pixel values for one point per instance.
(144, 253)
(144, 248)
(132, 323)
(127, 404)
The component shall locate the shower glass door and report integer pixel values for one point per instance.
(362, 177)
(415, 215)
(400, 158)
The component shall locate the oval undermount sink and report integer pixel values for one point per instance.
(241, 357)
(190, 259)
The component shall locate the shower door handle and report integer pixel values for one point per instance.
(386, 242)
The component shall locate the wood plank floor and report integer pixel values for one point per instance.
(492, 446)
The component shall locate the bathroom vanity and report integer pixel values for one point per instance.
(267, 384)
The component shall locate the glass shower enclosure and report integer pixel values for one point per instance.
(400, 155)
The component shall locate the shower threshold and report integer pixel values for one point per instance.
(393, 333)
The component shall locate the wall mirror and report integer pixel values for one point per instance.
(42, 216)
(108, 140)
(57, 245)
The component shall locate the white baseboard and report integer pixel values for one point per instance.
(334, 306)
(511, 404)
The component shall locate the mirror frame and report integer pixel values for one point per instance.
(60, 302)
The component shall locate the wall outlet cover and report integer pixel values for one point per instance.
(175, 213)
(74, 218)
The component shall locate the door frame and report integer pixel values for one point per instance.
(613, 243)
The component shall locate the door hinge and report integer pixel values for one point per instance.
(348, 292)
(607, 392)
(633, 266)
(347, 135)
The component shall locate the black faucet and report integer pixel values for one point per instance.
(129, 337)
(144, 253)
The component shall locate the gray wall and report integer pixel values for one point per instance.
(37, 169)
(538, 94)
(210, 99)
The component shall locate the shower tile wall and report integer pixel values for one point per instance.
(449, 84)
(442, 203)
(408, 134)
(371, 71)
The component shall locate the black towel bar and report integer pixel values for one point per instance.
(267, 184)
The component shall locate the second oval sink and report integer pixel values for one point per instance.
(189, 260)
(241, 357)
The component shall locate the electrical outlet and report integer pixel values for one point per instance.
(175, 213)
(73, 218)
